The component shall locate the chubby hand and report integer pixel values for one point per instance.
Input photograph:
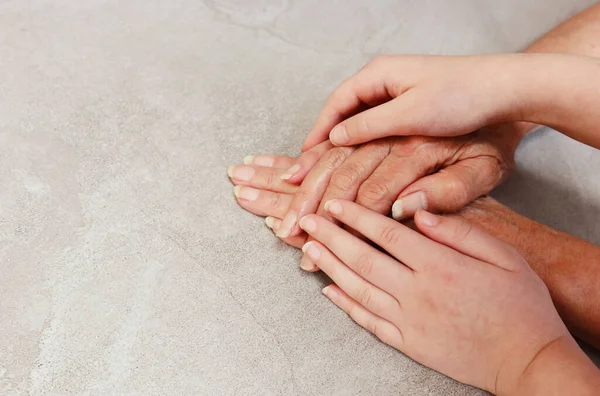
(397, 174)
(454, 299)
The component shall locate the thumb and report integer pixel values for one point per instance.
(387, 119)
(450, 189)
(465, 238)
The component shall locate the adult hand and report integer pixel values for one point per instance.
(429, 96)
(470, 308)
(401, 174)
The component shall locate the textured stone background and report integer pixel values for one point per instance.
(126, 266)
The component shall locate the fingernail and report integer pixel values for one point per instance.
(245, 192)
(308, 224)
(407, 206)
(330, 292)
(289, 221)
(248, 159)
(333, 206)
(428, 219)
(307, 264)
(263, 160)
(270, 221)
(311, 250)
(339, 135)
(290, 172)
(241, 173)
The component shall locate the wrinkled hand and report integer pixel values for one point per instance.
(470, 308)
(402, 95)
(402, 174)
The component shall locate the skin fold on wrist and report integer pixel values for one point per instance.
(559, 368)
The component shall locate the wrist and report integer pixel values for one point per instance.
(559, 368)
(559, 91)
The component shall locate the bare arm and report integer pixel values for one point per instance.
(579, 35)
(569, 266)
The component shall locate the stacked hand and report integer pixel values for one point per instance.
(401, 174)
(391, 138)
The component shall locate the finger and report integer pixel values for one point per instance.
(381, 328)
(366, 261)
(401, 242)
(414, 113)
(306, 262)
(309, 195)
(450, 189)
(396, 172)
(262, 202)
(260, 177)
(369, 296)
(468, 239)
(270, 161)
(296, 241)
(365, 89)
(298, 171)
(347, 179)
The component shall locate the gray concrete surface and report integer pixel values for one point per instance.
(126, 266)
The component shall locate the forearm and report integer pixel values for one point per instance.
(579, 35)
(562, 92)
(569, 266)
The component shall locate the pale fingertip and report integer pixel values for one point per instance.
(307, 264)
(397, 210)
(241, 173)
(333, 206)
(270, 221)
(248, 159)
(407, 206)
(330, 292)
(246, 193)
(311, 249)
(263, 160)
(305, 246)
(339, 135)
(427, 219)
(290, 172)
(287, 225)
(308, 224)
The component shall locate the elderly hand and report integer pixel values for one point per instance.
(470, 307)
(401, 174)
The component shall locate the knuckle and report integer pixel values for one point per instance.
(275, 201)
(336, 156)
(364, 265)
(379, 61)
(303, 195)
(372, 191)
(365, 296)
(345, 177)
(457, 192)
(270, 179)
(389, 235)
